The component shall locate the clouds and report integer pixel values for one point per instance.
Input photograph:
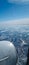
(18, 1)
(15, 0)
(24, 21)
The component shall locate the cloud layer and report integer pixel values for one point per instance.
(24, 21)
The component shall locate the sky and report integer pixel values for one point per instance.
(11, 10)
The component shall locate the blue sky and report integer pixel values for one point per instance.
(14, 9)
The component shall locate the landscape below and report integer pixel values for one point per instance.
(19, 36)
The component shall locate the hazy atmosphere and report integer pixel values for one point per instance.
(14, 27)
